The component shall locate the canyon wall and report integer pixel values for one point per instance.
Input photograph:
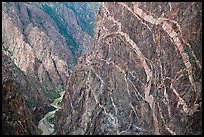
(41, 43)
(17, 117)
(46, 39)
(143, 75)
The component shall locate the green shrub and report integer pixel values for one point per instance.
(51, 120)
(11, 118)
(53, 93)
(7, 50)
(51, 108)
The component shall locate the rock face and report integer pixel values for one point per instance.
(143, 75)
(45, 39)
(16, 115)
(32, 90)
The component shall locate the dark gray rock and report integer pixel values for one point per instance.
(143, 75)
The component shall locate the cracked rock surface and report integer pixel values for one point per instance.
(17, 117)
(47, 39)
(143, 75)
(41, 43)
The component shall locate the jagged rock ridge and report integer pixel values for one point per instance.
(143, 75)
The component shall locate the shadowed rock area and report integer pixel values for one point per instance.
(16, 115)
(143, 75)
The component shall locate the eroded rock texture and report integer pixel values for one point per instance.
(46, 39)
(17, 117)
(143, 75)
(31, 90)
(34, 51)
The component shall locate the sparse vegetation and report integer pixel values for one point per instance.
(39, 131)
(58, 103)
(51, 108)
(7, 50)
(11, 118)
(84, 20)
(61, 24)
(189, 51)
(53, 93)
(7, 6)
(51, 120)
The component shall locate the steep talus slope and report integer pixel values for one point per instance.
(143, 75)
(17, 117)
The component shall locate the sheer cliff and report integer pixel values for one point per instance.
(46, 39)
(41, 43)
(17, 117)
(143, 75)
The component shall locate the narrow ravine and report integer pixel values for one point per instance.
(44, 125)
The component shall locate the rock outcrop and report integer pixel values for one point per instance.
(17, 117)
(33, 91)
(143, 75)
(41, 43)
(45, 39)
